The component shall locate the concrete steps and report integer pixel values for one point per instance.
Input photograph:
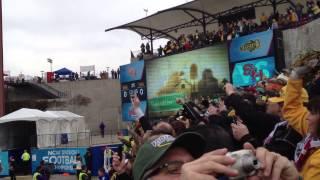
(48, 89)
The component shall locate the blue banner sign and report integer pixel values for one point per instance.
(98, 156)
(249, 72)
(4, 164)
(133, 88)
(129, 113)
(63, 158)
(251, 46)
(132, 72)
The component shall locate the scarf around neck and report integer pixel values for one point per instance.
(304, 150)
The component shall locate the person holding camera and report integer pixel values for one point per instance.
(281, 139)
(209, 166)
(257, 122)
(165, 157)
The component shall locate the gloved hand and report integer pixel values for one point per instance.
(300, 72)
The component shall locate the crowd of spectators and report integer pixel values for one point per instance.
(272, 128)
(227, 31)
(277, 121)
(113, 74)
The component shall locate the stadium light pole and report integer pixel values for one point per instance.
(42, 74)
(151, 39)
(146, 11)
(108, 73)
(50, 61)
(2, 101)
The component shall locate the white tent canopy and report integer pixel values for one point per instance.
(49, 125)
(66, 115)
(25, 114)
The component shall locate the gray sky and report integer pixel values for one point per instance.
(71, 32)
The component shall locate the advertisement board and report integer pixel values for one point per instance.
(100, 158)
(132, 72)
(249, 72)
(62, 158)
(133, 85)
(251, 46)
(4, 164)
(87, 68)
(190, 74)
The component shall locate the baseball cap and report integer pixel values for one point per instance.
(153, 150)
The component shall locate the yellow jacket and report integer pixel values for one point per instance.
(316, 9)
(296, 114)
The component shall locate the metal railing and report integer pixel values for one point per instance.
(80, 139)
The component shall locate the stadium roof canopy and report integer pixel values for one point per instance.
(191, 16)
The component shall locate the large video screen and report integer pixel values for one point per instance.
(191, 74)
(249, 72)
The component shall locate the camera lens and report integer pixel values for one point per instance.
(249, 164)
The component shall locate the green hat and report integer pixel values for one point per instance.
(152, 151)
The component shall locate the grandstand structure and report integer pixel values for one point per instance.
(200, 15)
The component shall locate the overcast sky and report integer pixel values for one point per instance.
(71, 32)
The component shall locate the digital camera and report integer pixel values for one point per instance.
(191, 111)
(246, 163)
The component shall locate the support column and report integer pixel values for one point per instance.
(274, 6)
(204, 25)
(2, 101)
(151, 41)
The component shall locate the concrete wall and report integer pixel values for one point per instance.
(300, 40)
(24, 93)
(105, 102)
